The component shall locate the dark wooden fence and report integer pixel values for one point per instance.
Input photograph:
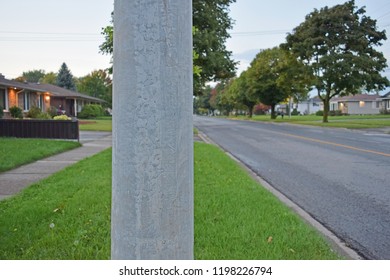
(54, 129)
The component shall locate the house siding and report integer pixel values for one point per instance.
(359, 107)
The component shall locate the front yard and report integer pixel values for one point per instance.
(15, 152)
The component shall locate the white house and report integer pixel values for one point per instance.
(384, 102)
(310, 106)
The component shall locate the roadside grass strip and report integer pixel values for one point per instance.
(350, 122)
(15, 152)
(236, 218)
(67, 216)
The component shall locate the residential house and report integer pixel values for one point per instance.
(359, 104)
(26, 95)
(310, 106)
(384, 102)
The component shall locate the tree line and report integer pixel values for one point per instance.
(333, 52)
(96, 84)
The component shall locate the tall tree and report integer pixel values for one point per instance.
(337, 45)
(241, 95)
(97, 84)
(65, 78)
(275, 75)
(211, 21)
(49, 78)
(33, 76)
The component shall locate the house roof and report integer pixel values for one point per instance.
(357, 98)
(53, 90)
(386, 96)
(19, 85)
(66, 93)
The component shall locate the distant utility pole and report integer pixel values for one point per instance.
(152, 176)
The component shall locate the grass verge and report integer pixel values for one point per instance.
(15, 152)
(351, 122)
(67, 216)
(235, 218)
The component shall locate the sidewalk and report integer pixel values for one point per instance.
(13, 181)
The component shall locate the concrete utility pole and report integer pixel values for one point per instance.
(152, 196)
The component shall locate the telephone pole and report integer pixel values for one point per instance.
(152, 176)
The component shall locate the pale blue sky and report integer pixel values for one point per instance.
(264, 24)
(41, 34)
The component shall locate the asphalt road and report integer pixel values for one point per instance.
(340, 177)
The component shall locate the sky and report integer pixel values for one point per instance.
(42, 34)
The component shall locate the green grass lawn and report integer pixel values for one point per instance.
(18, 151)
(99, 124)
(351, 121)
(67, 216)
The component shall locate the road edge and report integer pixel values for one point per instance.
(336, 243)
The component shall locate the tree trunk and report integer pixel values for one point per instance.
(326, 109)
(273, 115)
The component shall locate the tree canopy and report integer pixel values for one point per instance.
(33, 76)
(97, 84)
(337, 45)
(211, 21)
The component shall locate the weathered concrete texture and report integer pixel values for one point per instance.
(152, 202)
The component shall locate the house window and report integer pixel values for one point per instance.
(3, 99)
(26, 101)
(40, 101)
(361, 104)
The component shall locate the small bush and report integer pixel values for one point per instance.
(335, 113)
(1, 112)
(295, 112)
(91, 111)
(34, 112)
(384, 111)
(62, 118)
(52, 111)
(44, 116)
(320, 113)
(16, 112)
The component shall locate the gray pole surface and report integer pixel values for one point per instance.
(152, 176)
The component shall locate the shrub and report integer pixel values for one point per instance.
(52, 111)
(335, 113)
(1, 112)
(320, 113)
(16, 112)
(62, 118)
(384, 111)
(295, 112)
(91, 111)
(34, 112)
(44, 116)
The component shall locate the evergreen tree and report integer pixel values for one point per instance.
(65, 78)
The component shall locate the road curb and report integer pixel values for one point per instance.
(336, 243)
